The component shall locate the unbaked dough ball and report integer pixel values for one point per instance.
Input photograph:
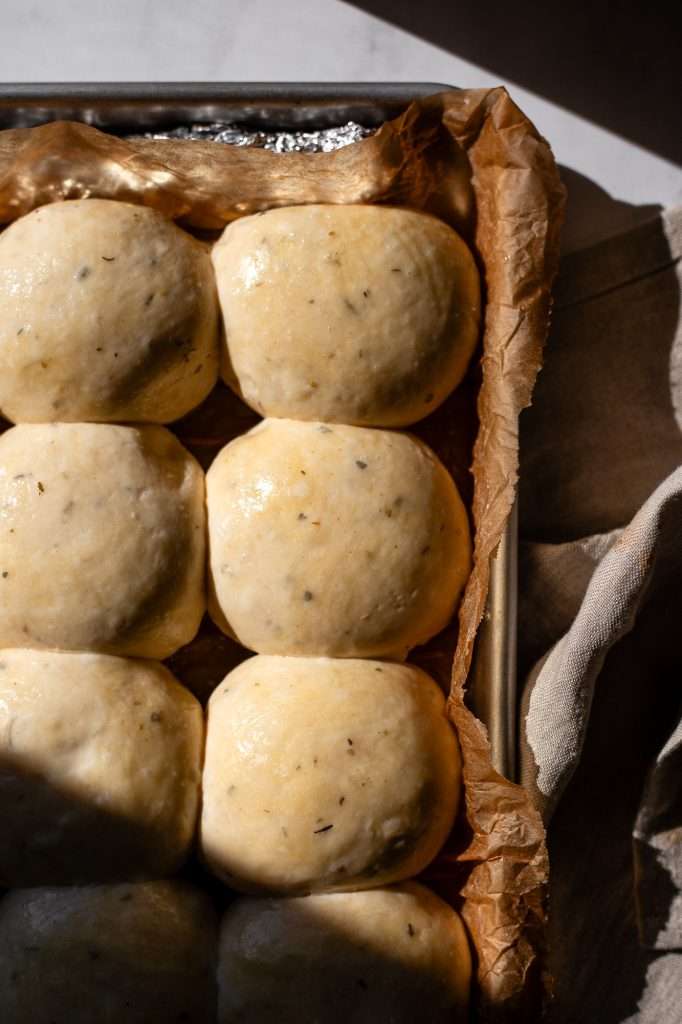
(111, 954)
(101, 539)
(100, 763)
(107, 312)
(350, 314)
(398, 955)
(324, 774)
(339, 541)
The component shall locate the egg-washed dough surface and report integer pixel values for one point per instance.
(100, 764)
(111, 954)
(398, 954)
(519, 200)
(333, 540)
(107, 312)
(350, 314)
(101, 539)
(325, 774)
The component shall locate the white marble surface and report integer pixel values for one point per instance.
(313, 40)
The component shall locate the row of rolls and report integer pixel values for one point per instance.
(324, 773)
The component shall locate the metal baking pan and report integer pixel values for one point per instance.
(121, 108)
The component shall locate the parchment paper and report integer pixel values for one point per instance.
(474, 159)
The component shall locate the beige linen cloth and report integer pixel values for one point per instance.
(601, 627)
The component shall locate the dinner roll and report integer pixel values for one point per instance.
(107, 312)
(111, 954)
(101, 539)
(337, 541)
(351, 314)
(323, 774)
(398, 955)
(100, 762)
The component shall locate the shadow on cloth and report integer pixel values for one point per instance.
(604, 431)
(599, 966)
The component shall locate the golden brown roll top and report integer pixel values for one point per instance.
(102, 539)
(100, 764)
(325, 774)
(348, 314)
(107, 313)
(333, 540)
